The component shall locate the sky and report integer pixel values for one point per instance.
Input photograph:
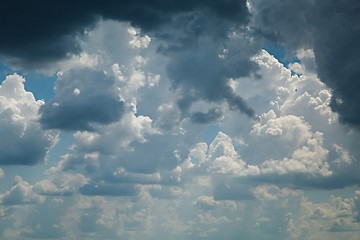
(184, 120)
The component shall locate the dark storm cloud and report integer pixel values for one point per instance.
(83, 97)
(35, 33)
(331, 28)
(43, 32)
(337, 53)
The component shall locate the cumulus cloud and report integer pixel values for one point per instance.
(209, 26)
(60, 184)
(160, 136)
(21, 193)
(316, 23)
(25, 143)
(309, 160)
(117, 137)
(83, 98)
(101, 86)
(205, 202)
(212, 28)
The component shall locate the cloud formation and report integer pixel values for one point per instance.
(317, 22)
(21, 193)
(46, 32)
(83, 97)
(199, 24)
(151, 116)
(25, 142)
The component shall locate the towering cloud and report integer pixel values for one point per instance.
(22, 141)
(331, 29)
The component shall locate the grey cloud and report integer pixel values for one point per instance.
(195, 68)
(338, 180)
(337, 52)
(43, 32)
(343, 225)
(165, 178)
(71, 162)
(276, 20)
(120, 175)
(107, 189)
(329, 27)
(232, 191)
(205, 203)
(46, 231)
(357, 205)
(43, 221)
(84, 97)
(206, 117)
(163, 192)
(29, 149)
(156, 158)
(203, 71)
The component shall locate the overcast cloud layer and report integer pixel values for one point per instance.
(172, 119)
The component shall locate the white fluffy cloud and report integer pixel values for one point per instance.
(26, 143)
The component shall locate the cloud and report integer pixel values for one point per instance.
(205, 25)
(199, 82)
(120, 175)
(205, 202)
(316, 23)
(107, 189)
(117, 137)
(25, 143)
(21, 193)
(212, 28)
(271, 153)
(60, 184)
(309, 158)
(56, 37)
(341, 75)
(83, 98)
(180, 159)
(46, 187)
(207, 117)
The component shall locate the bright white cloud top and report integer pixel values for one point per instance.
(189, 126)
